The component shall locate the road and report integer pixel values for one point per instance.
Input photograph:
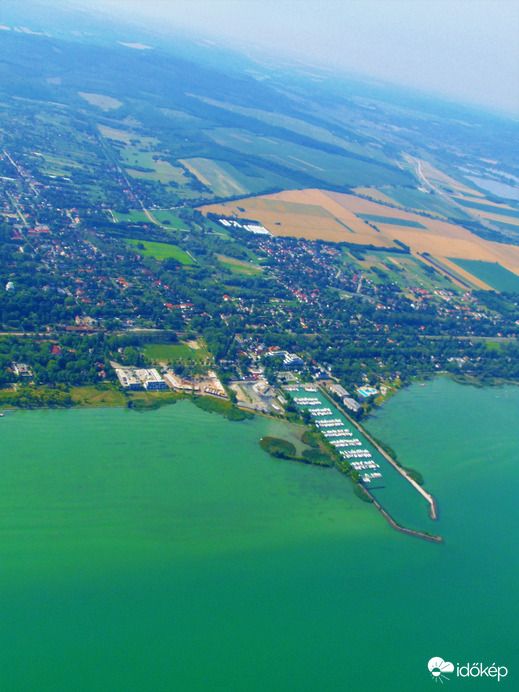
(449, 198)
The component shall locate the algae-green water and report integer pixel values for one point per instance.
(145, 552)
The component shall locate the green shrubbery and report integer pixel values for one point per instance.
(32, 397)
(223, 407)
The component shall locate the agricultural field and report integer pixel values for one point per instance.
(493, 274)
(57, 165)
(143, 158)
(302, 214)
(404, 270)
(419, 200)
(157, 168)
(161, 251)
(337, 217)
(375, 194)
(340, 169)
(169, 218)
(392, 221)
(238, 266)
(162, 217)
(301, 127)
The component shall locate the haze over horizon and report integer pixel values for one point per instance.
(461, 50)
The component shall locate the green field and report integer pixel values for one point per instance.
(159, 169)
(163, 216)
(173, 352)
(422, 201)
(161, 251)
(391, 220)
(491, 273)
(333, 169)
(301, 127)
(133, 216)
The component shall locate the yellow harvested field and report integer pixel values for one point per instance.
(497, 217)
(317, 214)
(478, 200)
(375, 194)
(302, 214)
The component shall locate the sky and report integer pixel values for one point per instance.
(465, 50)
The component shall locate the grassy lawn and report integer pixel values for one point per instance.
(493, 346)
(173, 352)
(238, 266)
(162, 251)
(94, 396)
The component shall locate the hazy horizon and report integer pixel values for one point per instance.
(461, 50)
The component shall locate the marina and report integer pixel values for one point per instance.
(398, 497)
(339, 435)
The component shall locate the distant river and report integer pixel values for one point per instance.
(145, 552)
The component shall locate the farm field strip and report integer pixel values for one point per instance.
(377, 195)
(438, 238)
(493, 274)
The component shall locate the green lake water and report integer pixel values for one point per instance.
(165, 551)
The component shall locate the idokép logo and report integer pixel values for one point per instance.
(439, 669)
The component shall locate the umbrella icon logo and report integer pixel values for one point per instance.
(439, 667)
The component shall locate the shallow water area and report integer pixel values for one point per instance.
(166, 550)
